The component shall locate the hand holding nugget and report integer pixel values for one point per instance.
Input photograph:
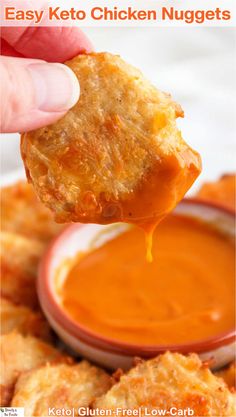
(35, 93)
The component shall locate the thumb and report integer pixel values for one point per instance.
(34, 93)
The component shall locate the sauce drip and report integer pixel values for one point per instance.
(149, 229)
(186, 294)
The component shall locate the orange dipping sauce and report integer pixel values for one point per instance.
(186, 294)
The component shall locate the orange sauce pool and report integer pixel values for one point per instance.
(186, 294)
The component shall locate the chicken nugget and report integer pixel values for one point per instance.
(18, 354)
(171, 380)
(117, 155)
(23, 213)
(19, 262)
(229, 375)
(59, 386)
(222, 191)
(24, 320)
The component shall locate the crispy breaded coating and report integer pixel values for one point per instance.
(222, 191)
(23, 213)
(19, 263)
(229, 375)
(117, 155)
(24, 320)
(19, 354)
(171, 380)
(59, 386)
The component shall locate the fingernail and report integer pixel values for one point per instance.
(56, 87)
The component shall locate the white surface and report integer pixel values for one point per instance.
(197, 66)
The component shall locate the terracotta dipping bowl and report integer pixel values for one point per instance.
(104, 351)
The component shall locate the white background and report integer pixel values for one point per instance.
(197, 66)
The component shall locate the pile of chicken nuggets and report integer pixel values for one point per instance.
(36, 374)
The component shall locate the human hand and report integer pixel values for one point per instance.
(33, 92)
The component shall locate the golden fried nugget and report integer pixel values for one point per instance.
(23, 319)
(23, 213)
(222, 191)
(18, 354)
(59, 386)
(229, 375)
(171, 380)
(19, 262)
(117, 155)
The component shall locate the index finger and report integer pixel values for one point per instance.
(53, 44)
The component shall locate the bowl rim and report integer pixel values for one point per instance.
(97, 341)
